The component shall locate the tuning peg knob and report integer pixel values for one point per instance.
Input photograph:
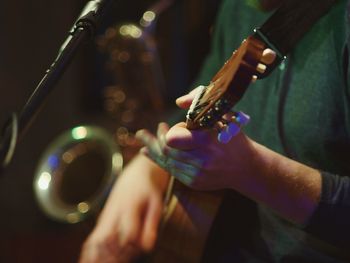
(241, 118)
(232, 128)
(224, 136)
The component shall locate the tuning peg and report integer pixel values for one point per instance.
(232, 128)
(261, 68)
(268, 56)
(241, 118)
(224, 136)
(254, 78)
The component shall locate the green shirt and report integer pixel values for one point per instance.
(302, 111)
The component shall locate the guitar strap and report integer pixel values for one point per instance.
(288, 24)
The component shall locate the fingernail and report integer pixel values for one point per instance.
(181, 99)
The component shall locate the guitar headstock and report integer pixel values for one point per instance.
(227, 87)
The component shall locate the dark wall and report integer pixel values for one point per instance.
(31, 33)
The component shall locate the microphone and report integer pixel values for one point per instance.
(90, 15)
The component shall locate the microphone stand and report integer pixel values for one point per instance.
(82, 30)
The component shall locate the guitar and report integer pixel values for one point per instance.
(189, 214)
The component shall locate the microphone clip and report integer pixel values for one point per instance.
(90, 16)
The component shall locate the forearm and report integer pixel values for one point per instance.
(290, 188)
(141, 173)
(142, 166)
(318, 201)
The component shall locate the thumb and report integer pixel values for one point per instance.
(184, 102)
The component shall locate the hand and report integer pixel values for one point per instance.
(128, 224)
(197, 159)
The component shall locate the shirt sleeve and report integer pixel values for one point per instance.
(331, 219)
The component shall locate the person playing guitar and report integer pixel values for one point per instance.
(286, 172)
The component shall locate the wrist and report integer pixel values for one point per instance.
(155, 174)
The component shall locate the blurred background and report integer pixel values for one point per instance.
(125, 79)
